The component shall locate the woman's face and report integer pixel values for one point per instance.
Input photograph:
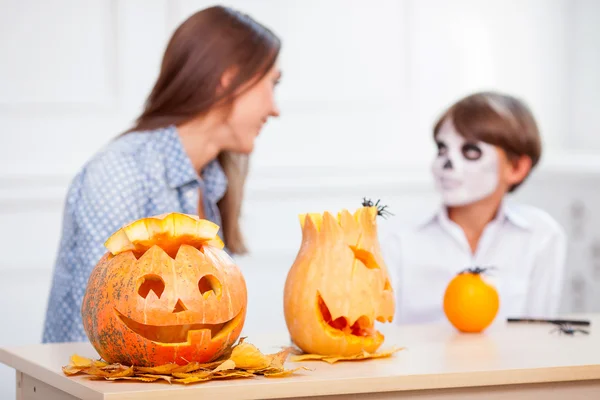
(251, 110)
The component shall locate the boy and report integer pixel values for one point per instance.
(488, 143)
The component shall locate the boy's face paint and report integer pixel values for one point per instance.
(464, 172)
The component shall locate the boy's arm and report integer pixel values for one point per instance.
(547, 277)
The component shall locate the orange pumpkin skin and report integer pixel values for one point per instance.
(165, 308)
(470, 303)
(338, 286)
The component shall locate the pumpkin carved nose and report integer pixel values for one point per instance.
(179, 307)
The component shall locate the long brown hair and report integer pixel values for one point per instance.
(201, 49)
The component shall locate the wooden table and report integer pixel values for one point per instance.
(508, 361)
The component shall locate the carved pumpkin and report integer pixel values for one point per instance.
(166, 292)
(470, 303)
(338, 285)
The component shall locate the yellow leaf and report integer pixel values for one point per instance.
(191, 379)
(247, 356)
(197, 374)
(167, 378)
(242, 360)
(333, 359)
(79, 361)
(125, 372)
(133, 378)
(226, 365)
(278, 359)
(284, 373)
(160, 370)
(232, 374)
(194, 366)
(95, 371)
(71, 370)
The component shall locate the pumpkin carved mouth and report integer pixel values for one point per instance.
(362, 327)
(177, 334)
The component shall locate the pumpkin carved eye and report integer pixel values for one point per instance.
(365, 257)
(151, 283)
(208, 285)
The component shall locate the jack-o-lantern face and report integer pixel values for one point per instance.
(338, 285)
(165, 292)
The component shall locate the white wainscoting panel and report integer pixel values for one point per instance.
(360, 61)
(466, 45)
(57, 52)
(584, 58)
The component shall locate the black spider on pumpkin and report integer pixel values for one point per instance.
(381, 209)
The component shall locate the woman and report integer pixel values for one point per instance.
(188, 151)
(487, 144)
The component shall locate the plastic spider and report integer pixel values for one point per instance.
(381, 210)
(568, 330)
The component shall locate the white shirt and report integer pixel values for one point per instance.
(525, 245)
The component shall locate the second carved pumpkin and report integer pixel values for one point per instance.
(338, 285)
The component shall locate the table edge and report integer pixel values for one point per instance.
(69, 386)
(279, 388)
(289, 387)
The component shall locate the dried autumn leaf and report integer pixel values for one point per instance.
(247, 356)
(194, 366)
(167, 378)
(191, 379)
(160, 370)
(133, 378)
(284, 373)
(113, 373)
(71, 370)
(226, 365)
(196, 374)
(126, 372)
(278, 359)
(79, 361)
(243, 360)
(112, 367)
(333, 359)
(95, 371)
(232, 374)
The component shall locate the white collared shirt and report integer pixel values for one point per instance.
(526, 246)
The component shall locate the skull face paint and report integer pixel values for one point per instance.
(464, 171)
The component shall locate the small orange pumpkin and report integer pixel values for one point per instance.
(470, 303)
(338, 285)
(165, 292)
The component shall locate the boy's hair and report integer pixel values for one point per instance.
(498, 119)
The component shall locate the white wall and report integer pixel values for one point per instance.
(363, 83)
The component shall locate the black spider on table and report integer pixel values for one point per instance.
(567, 329)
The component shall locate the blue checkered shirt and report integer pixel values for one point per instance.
(137, 175)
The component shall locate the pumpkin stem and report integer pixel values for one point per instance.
(476, 270)
(381, 210)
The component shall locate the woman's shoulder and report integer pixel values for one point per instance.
(120, 165)
(125, 148)
(126, 155)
